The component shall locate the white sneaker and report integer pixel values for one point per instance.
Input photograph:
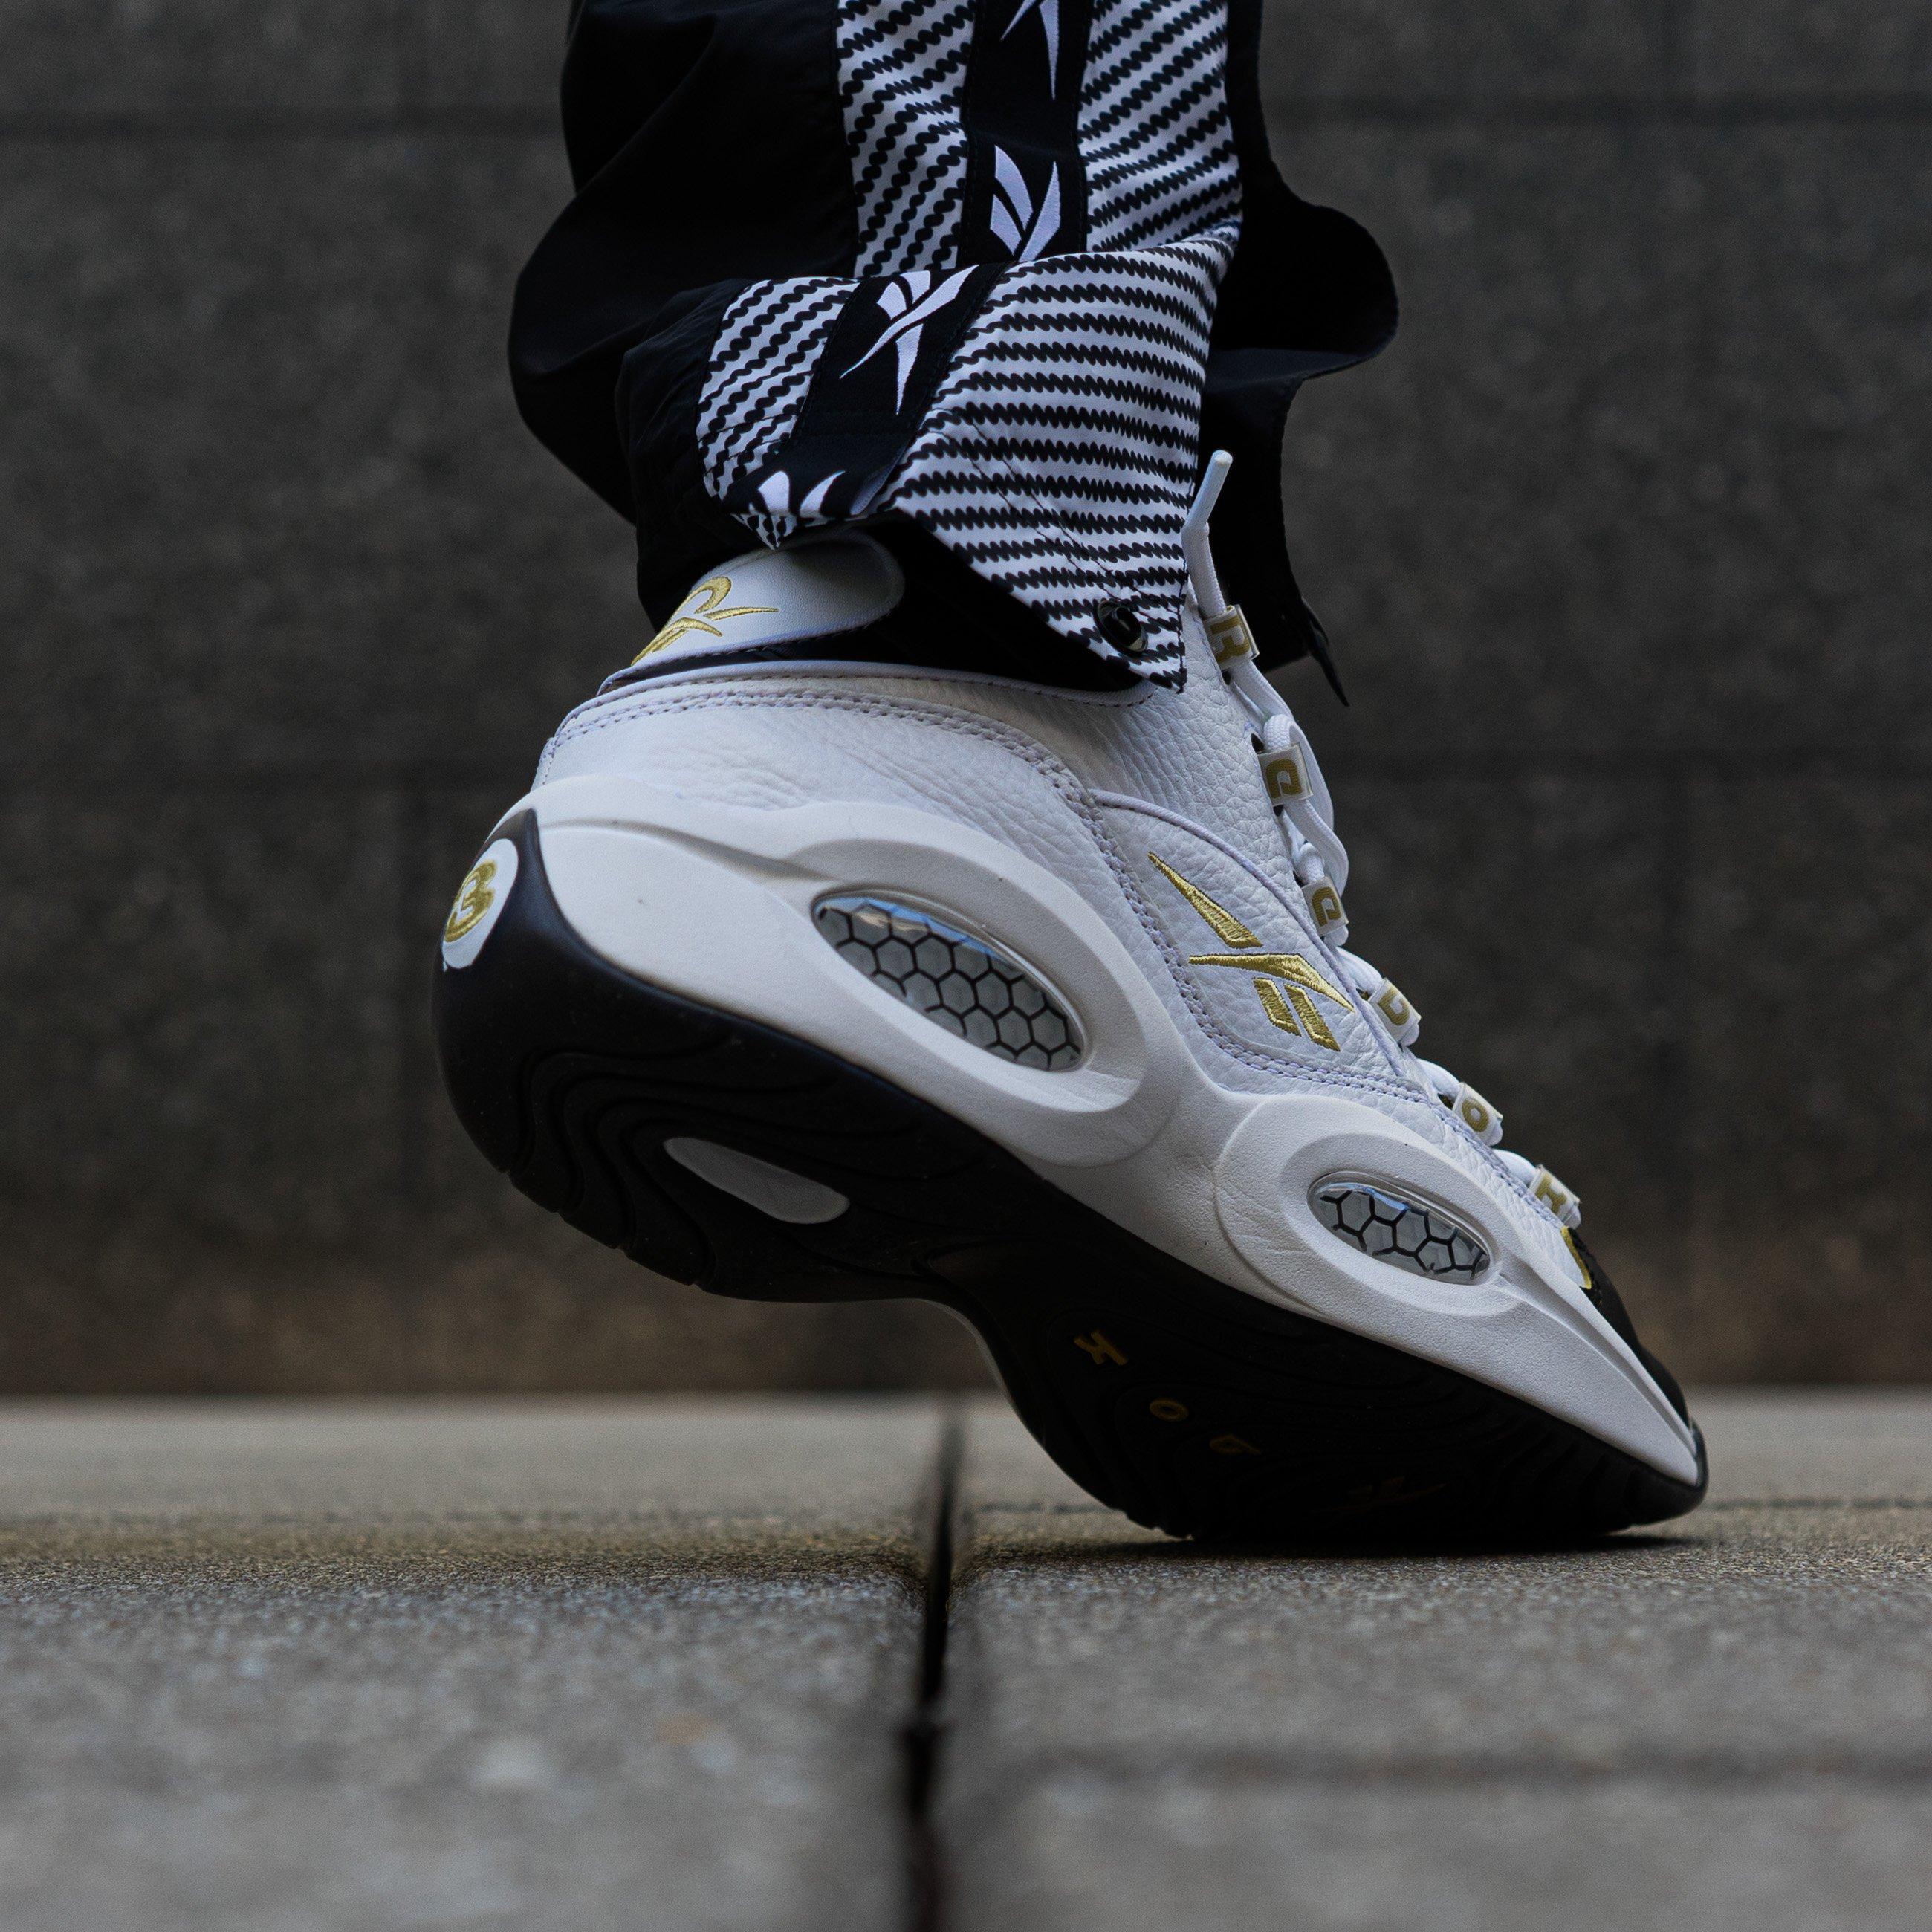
(804, 974)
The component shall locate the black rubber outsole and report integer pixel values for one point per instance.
(1191, 1407)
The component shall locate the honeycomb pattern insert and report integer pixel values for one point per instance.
(1422, 1240)
(961, 983)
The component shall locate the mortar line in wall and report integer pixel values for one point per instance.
(146, 779)
(1632, 111)
(1669, 109)
(1488, 765)
(517, 123)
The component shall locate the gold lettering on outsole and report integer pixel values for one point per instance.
(1101, 1350)
(1164, 1409)
(1233, 1445)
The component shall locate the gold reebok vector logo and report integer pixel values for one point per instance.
(1283, 981)
(704, 610)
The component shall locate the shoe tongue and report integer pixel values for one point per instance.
(821, 587)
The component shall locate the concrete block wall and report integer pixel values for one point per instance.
(1625, 547)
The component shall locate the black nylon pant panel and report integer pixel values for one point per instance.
(707, 144)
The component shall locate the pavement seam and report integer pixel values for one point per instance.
(924, 1735)
(1819, 1503)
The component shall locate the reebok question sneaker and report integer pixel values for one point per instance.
(814, 968)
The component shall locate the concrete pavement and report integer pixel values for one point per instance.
(646, 1664)
(1724, 1723)
(296, 1667)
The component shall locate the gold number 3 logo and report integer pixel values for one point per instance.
(474, 898)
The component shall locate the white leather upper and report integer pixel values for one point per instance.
(1089, 785)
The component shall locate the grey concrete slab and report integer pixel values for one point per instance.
(1439, 1740)
(502, 55)
(505, 1298)
(1831, 1445)
(1400, 51)
(1777, 49)
(527, 598)
(1817, 409)
(1810, 1097)
(165, 63)
(1157, 1850)
(245, 1077)
(1489, 518)
(770, 1468)
(215, 486)
(266, 464)
(588, 1668)
(1454, 880)
(1752, 1641)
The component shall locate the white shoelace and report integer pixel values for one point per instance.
(1307, 816)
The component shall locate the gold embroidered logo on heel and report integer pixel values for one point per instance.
(480, 900)
(703, 610)
(474, 898)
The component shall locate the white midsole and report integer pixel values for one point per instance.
(714, 902)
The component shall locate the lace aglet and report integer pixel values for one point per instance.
(1196, 548)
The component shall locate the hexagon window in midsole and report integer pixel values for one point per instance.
(1408, 1234)
(967, 984)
